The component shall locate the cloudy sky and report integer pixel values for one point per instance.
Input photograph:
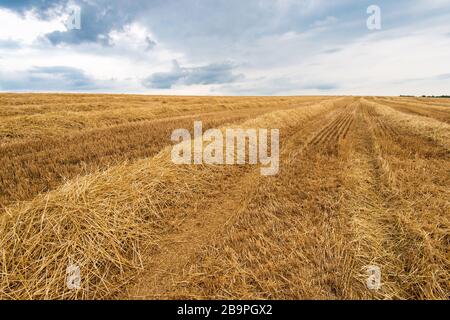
(226, 47)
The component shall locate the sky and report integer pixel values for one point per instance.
(226, 47)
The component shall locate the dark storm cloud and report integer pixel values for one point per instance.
(9, 44)
(164, 80)
(72, 76)
(21, 6)
(218, 73)
(444, 76)
(182, 23)
(272, 39)
(320, 86)
(98, 18)
(150, 43)
(333, 50)
(49, 79)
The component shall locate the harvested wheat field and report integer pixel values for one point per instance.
(88, 180)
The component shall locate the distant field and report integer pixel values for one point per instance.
(88, 179)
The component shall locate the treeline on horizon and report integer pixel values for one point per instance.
(425, 96)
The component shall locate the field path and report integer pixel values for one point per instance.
(363, 181)
(390, 215)
(177, 250)
(37, 165)
(336, 208)
(440, 113)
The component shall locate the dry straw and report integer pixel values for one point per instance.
(104, 221)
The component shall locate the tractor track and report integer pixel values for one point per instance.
(170, 268)
(423, 110)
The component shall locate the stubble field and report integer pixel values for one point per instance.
(88, 180)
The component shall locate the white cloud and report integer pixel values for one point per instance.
(127, 62)
(282, 47)
(26, 28)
